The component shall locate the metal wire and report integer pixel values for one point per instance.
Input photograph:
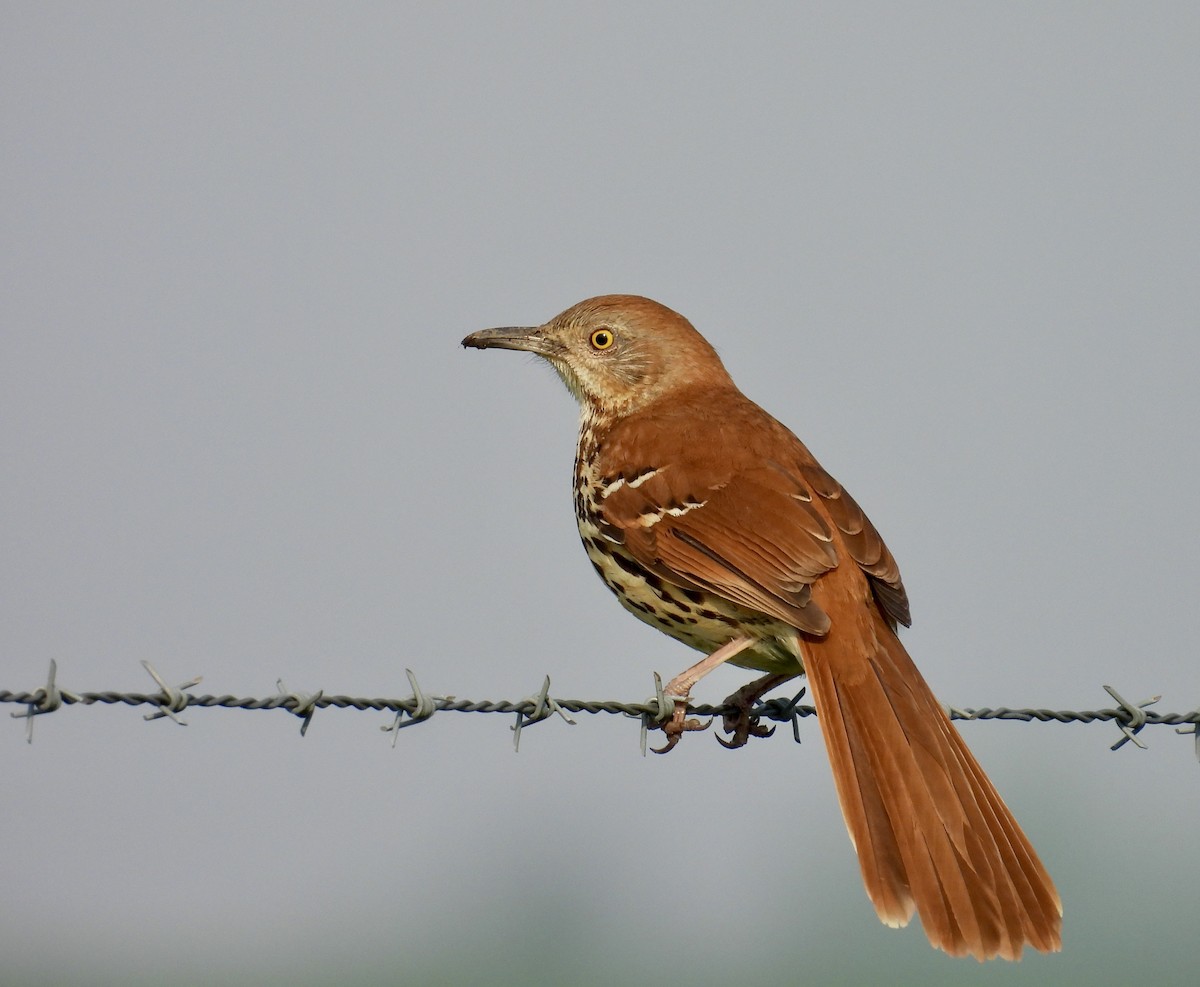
(170, 701)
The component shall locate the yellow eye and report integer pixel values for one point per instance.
(602, 339)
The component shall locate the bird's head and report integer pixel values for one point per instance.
(616, 353)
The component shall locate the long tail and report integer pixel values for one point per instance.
(932, 833)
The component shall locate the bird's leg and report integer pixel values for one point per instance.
(680, 689)
(739, 724)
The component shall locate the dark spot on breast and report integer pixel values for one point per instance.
(694, 595)
(628, 564)
(668, 594)
(720, 617)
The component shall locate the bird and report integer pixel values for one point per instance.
(712, 522)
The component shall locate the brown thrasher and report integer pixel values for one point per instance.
(712, 522)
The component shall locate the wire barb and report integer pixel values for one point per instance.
(1194, 730)
(301, 704)
(790, 710)
(659, 709)
(423, 707)
(172, 700)
(45, 700)
(1137, 718)
(544, 706)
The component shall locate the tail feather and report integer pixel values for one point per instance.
(871, 832)
(932, 833)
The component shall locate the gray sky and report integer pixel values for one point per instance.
(953, 246)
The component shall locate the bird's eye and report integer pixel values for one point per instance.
(602, 339)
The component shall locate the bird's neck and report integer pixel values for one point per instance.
(594, 422)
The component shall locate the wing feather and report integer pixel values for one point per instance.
(737, 522)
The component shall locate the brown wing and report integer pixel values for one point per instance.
(735, 521)
(863, 543)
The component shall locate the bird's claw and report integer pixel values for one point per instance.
(741, 726)
(677, 726)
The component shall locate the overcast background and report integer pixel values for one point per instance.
(954, 246)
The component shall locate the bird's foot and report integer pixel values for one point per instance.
(740, 727)
(678, 725)
(739, 724)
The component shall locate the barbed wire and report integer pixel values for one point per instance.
(170, 701)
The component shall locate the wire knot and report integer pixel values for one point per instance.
(173, 699)
(544, 706)
(1194, 730)
(1136, 715)
(46, 699)
(301, 704)
(423, 707)
(659, 709)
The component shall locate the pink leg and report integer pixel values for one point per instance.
(680, 688)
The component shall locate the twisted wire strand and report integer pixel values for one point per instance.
(774, 709)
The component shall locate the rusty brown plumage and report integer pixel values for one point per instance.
(712, 522)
